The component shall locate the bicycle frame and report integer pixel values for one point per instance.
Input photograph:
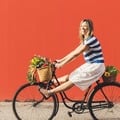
(104, 96)
(65, 98)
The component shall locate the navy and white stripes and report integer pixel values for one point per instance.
(94, 53)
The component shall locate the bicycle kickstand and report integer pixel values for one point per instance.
(70, 113)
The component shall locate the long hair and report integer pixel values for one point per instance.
(90, 28)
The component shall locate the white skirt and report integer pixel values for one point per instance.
(87, 74)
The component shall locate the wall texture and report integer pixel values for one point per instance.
(50, 28)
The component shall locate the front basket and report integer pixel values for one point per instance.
(44, 74)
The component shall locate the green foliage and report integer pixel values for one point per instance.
(112, 70)
(37, 61)
(31, 78)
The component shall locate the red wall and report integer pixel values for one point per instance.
(50, 28)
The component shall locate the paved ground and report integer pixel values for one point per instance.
(6, 113)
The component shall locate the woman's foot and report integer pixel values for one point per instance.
(45, 92)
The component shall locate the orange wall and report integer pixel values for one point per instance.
(50, 28)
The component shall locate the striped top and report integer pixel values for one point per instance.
(94, 53)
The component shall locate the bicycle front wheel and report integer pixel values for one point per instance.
(104, 102)
(30, 104)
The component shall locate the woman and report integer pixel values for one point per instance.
(91, 70)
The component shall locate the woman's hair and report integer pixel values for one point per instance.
(90, 28)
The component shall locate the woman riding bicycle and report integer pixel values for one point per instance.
(91, 70)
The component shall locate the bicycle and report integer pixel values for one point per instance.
(102, 101)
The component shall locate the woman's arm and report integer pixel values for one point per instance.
(72, 55)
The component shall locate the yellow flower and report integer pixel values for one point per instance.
(107, 74)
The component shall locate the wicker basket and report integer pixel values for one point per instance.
(44, 74)
(109, 79)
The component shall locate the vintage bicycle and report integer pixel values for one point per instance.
(101, 100)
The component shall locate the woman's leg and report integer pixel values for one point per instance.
(61, 79)
(62, 87)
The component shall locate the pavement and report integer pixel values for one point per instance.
(6, 113)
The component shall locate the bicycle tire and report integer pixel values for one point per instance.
(102, 109)
(29, 104)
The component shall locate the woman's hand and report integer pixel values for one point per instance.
(59, 61)
(58, 65)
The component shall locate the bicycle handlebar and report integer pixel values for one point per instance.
(53, 65)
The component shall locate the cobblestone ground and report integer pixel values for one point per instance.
(6, 113)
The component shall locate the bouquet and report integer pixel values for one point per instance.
(41, 66)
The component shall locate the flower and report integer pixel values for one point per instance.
(39, 62)
(111, 71)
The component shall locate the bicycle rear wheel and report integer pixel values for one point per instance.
(104, 102)
(30, 104)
